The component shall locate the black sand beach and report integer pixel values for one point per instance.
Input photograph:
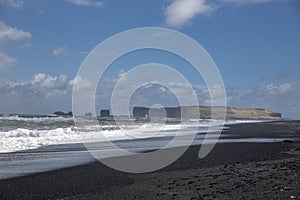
(230, 171)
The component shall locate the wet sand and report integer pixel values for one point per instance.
(230, 171)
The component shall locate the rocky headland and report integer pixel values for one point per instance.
(205, 112)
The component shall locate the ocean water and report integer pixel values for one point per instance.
(31, 144)
(18, 133)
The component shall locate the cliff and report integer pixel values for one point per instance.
(205, 112)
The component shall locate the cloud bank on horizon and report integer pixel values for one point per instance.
(43, 90)
(46, 93)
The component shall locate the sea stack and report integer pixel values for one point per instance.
(104, 113)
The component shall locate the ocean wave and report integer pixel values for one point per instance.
(36, 119)
(25, 138)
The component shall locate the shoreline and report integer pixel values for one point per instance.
(97, 181)
(257, 170)
(53, 157)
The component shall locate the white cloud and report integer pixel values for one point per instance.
(180, 12)
(61, 50)
(11, 3)
(81, 83)
(214, 93)
(86, 3)
(278, 89)
(6, 60)
(8, 33)
(50, 82)
(245, 2)
(42, 94)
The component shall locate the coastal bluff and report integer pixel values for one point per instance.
(205, 112)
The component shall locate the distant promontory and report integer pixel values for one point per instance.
(205, 112)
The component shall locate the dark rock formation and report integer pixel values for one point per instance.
(276, 115)
(104, 113)
(88, 114)
(63, 114)
(173, 112)
(169, 112)
(140, 112)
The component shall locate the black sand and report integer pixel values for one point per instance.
(230, 171)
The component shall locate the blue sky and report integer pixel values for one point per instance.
(255, 44)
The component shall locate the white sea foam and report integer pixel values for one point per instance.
(24, 139)
(36, 119)
(245, 121)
